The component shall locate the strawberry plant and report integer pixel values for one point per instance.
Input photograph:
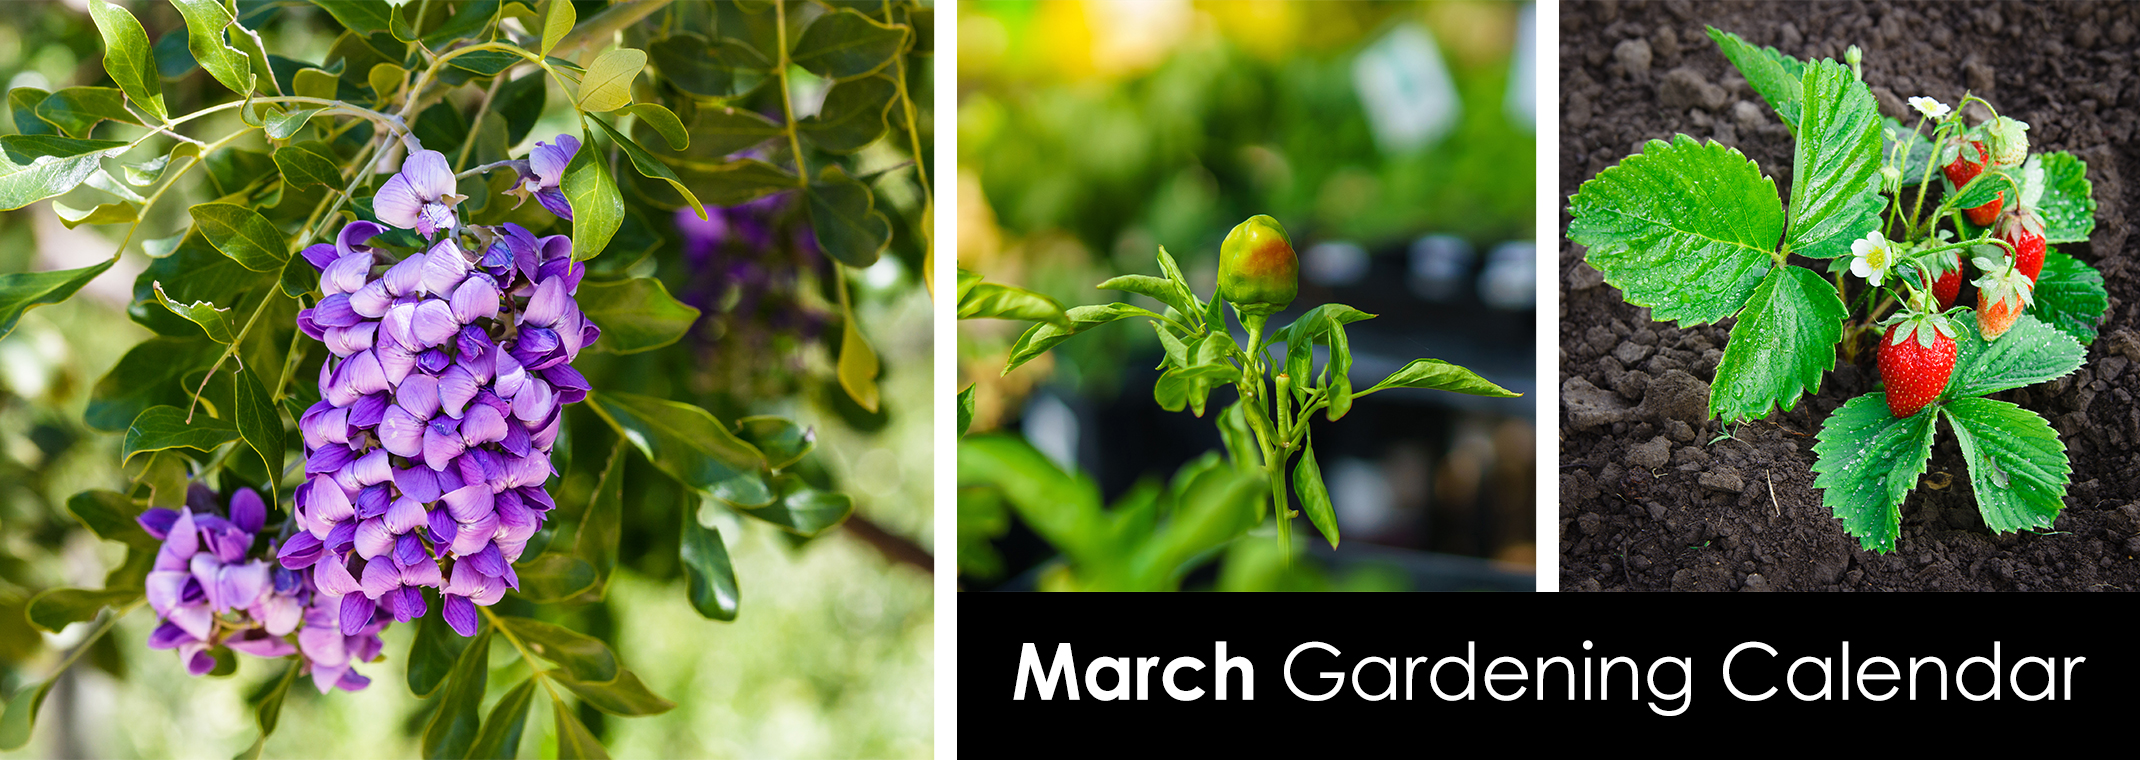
(1881, 221)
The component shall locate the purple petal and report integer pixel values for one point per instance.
(422, 572)
(399, 324)
(373, 538)
(488, 561)
(412, 603)
(534, 402)
(405, 516)
(373, 468)
(418, 395)
(397, 202)
(434, 323)
(428, 174)
(164, 589)
(246, 510)
(344, 341)
(511, 376)
(260, 643)
(555, 248)
(442, 442)
(352, 680)
(333, 578)
(157, 521)
(342, 538)
(401, 432)
(460, 614)
(483, 425)
(537, 498)
(241, 585)
(169, 636)
(553, 199)
(324, 460)
(354, 235)
(380, 576)
(417, 483)
(473, 340)
(474, 535)
(372, 300)
(409, 550)
(456, 387)
(444, 268)
(321, 256)
(406, 277)
(443, 528)
(364, 373)
(469, 503)
(517, 440)
(334, 311)
(347, 274)
(433, 360)
(301, 551)
(549, 161)
(396, 360)
(329, 504)
(356, 613)
(368, 410)
(475, 298)
(373, 502)
(547, 305)
(200, 662)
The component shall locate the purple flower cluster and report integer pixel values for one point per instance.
(427, 453)
(209, 589)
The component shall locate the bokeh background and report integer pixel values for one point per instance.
(1395, 143)
(830, 657)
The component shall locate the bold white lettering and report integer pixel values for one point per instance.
(1029, 665)
(1339, 677)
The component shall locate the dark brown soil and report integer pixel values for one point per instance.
(1647, 503)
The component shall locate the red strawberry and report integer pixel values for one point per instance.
(1969, 161)
(2024, 231)
(1946, 278)
(1915, 362)
(2002, 294)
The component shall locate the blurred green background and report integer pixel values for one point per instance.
(830, 657)
(1394, 140)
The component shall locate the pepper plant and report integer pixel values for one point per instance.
(367, 222)
(1267, 424)
(1698, 234)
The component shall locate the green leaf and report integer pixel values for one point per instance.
(583, 656)
(1442, 376)
(648, 166)
(469, 20)
(267, 710)
(128, 57)
(432, 654)
(1782, 344)
(1064, 509)
(309, 163)
(22, 105)
(36, 167)
(21, 715)
(1835, 179)
(213, 321)
(2070, 296)
(205, 23)
(966, 409)
(555, 578)
(781, 440)
(521, 102)
(1324, 325)
(76, 110)
(857, 366)
(1213, 505)
(624, 695)
(111, 515)
(55, 608)
(852, 116)
(689, 444)
(1916, 150)
(709, 580)
(2028, 353)
(1684, 228)
(736, 182)
(846, 44)
(601, 525)
(282, 125)
(453, 728)
(988, 300)
(1992, 183)
(23, 291)
(2067, 199)
(146, 376)
(694, 65)
(556, 21)
(364, 17)
(608, 83)
(1041, 337)
(1159, 289)
(1771, 73)
(386, 79)
(259, 424)
(663, 121)
(242, 234)
(315, 83)
(1867, 461)
(165, 427)
(803, 510)
(2016, 463)
(844, 216)
(109, 213)
(500, 738)
(574, 741)
(194, 271)
(635, 315)
(597, 207)
(1314, 496)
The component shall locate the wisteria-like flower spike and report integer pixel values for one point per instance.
(546, 167)
(421, 196)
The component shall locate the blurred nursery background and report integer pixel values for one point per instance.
(831, 652)
(1395, 143)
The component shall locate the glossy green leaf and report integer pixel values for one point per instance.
(111, 515)
(709, 579)
(242, 234)
(1063, 508)
(194, 271)
(453, 728)
(623, 696)
(608, 83)
(146, 376)
(1777, 77)
(109, 213)
(165, 427)
(21, 715)
(648, 166)
(1041, 337)
(282, 125)
(857, 366)
(1314, 496)
(597, 207)
(737, 182)
(601, 526)
(583, 656)
(500, 737)
(486, 63)
(574, 741)
(22, 105)
(1915, 149)
(364, 17)
(1160, 289)
(432, 654)
(702, 67)
(844, 216)
(2066, 200)
(853, 115)
(309, 163)
(689, 444)
(76, 110)
(55, 608)
(206, 21)
(966, 409)
(469, 19)
(1319, 325)
(1835, 179)
(2028, 353)
(781, 440)
(128, 57)
(2070, 296)
(557, 19)
(663, 121)
(1685, 228)
(386, 79)
(1213, 505)
(259, 424)
(845, 45)
(554, 578)
(1442, 376)
(315, 83)
(2016, 463)
(1992, 183)
(213, 321)
(635, 315)
(1866, 462)
(802, 509)
(22, 291)
(988, 300)
(36, 167)
(1783, 343)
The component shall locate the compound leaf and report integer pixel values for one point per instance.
(1783, 342)
(2016, 463)
(1835, 181)
(1685, 228)
(2070, 296)
(1867, 461)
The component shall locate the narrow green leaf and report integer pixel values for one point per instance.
(1041, 337)
(1777, 77)
(76, 110)
(1442, 376)
(242, 234)
(988, 300)
(432, 654)
(1835, 180)
(1992, 183)
(500, 738)
(1866, 462)
(689, 444)
(781, 440)
(309, 163)
(709, 580)
(635, 315)
(1317, 326)
(165, 427)
(109, 213)
(857, 367)
(1160, 289)
(802, 509)
(205, 24)
(453, 728)
(1684, 228)
(22, 291)
(128, 57)
(1314, 496)
(282, 125)
(574, 741)
(623, 696)
(844, 217)
(601, 525)
(583, 656)
(597, 207)
(664, 122)
(853, 115)
(110, 515)
(846, 44)
(364, 17)
(737, 182)
(2016, 463)
(1063, 508)
(648, 166)
(259, 424)
(1783, 343)
(213, 321)
(2066, 200)
(2028, 353)
(554, 578)
(55, 608)
(608, 83)
(556, 21)
(36, 167)
(2070, 296)
(21, 716)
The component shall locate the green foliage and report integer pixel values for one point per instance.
(2070, 296)
(1835, 190)
(1777, 77)
(1867, 462)
(1693, 252)
(1784, 341)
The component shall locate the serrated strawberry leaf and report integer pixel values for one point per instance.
(2030, 352)
(1775, 75)
(1835, 181)
(1866, 462)
(2070, 296)
(1686, 228)
(1783, 342)
(2016, 463)
(2067, 200)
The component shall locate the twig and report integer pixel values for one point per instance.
(894, 547)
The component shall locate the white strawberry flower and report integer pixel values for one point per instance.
(1930, 107)
(1872, 257)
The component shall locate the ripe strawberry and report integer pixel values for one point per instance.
(1970, 159)
(1916, 358)
(1947, 278)
(2023, 230)
(2002, 294)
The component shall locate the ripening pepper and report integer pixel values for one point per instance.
(1258, 272)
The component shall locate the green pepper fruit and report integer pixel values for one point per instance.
(1258, 272)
